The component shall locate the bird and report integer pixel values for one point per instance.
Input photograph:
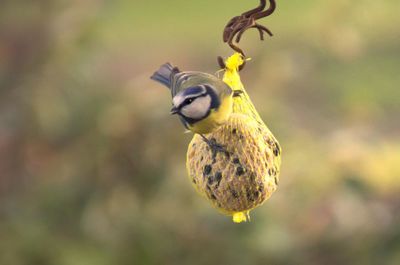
(242, 171)
(202, 101)
(246, 175)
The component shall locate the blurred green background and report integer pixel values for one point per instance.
(92, 167)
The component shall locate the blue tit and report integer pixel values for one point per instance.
(202, 101)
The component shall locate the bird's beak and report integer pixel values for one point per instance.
(174, 110)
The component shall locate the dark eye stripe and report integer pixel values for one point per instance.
(187, 101)
(196, 92)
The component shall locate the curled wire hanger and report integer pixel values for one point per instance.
(235, 28)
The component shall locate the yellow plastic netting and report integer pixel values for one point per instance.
(241, 180)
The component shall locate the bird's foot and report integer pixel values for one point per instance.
(237, 93)
(215, 147)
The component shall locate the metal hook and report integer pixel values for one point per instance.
(235, 28)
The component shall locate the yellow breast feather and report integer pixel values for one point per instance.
(215, 118)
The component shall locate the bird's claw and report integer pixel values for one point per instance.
(237, 93)
(215, 147)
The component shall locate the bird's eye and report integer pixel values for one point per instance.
(189, 100)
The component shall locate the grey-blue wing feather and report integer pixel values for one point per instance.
(177, 81)
(165, 75)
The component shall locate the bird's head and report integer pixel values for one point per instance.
(195, 103)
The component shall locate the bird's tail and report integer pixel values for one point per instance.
(165, 74)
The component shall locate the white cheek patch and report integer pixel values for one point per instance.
(198, 108)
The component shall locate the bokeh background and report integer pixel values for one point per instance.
(92, 166)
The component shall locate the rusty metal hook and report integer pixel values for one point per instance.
(235, 28)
